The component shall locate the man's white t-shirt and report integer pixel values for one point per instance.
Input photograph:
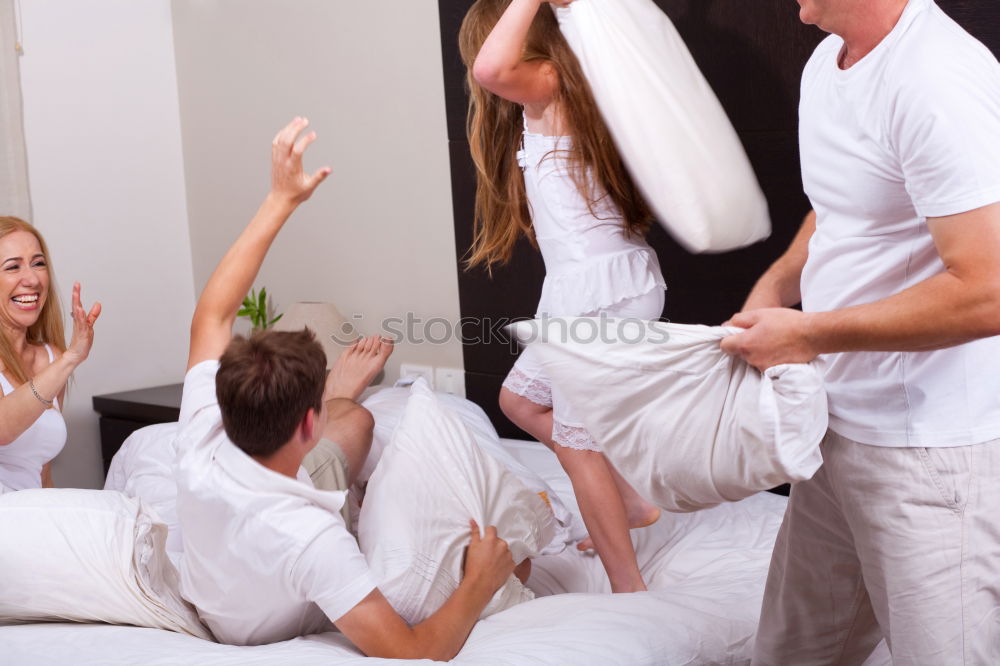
(911, 131)
(266, 557)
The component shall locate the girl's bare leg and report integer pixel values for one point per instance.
(604, 515)
(597, 493)
(536, 420)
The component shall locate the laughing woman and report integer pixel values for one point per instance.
(35, 362)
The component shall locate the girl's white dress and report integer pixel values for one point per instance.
(591, 267)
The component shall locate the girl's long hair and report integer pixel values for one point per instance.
(49, 327)
(494, 128)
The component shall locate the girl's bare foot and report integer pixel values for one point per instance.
(356, 367)
(640, 514)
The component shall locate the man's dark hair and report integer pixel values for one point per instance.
(266, 384)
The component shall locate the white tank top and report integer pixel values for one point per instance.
(21, 461)
(590, 263)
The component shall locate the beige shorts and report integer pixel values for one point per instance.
(327, 466)
(900, 543)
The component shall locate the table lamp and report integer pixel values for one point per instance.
(332, 329)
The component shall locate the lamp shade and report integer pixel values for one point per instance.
(332, 329)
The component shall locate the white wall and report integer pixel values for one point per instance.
(108, 86)
(107, 180)
(377, 239)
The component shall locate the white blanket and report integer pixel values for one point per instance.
(708, 569)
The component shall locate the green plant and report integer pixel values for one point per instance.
(255, 308)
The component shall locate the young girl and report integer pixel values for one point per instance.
(547, 168)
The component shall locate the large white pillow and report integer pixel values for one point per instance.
(144, 468)
(387, 407)
(414, 523)
(669, 127)
(88, 556)
(687, 425)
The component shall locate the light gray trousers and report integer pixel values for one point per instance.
(900, 543)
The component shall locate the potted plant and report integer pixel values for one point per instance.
(255, 308)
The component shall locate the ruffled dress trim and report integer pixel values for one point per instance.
(573, 437)
(535, 390)
(601, 282)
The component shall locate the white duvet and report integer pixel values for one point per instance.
(707, 568)
(705, 611)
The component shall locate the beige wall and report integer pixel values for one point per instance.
(377, 239)
(104, 155)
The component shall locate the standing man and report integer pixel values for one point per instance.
(898, 272)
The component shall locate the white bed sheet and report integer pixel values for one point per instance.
(707, 570)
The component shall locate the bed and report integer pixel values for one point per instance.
(706, 571)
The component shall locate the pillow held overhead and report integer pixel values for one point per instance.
(668, 125)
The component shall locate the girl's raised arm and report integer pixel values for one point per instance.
(500, 67)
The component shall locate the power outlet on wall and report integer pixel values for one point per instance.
(450, 380)
(413, 370)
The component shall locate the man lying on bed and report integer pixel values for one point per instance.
(267, 556)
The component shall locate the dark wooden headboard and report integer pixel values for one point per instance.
(752, 52)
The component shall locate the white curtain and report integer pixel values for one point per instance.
(14, 194)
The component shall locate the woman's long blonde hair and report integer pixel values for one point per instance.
(494, 128)
(49, 327)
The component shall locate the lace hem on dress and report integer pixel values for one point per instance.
(535, 390)
(573, 437)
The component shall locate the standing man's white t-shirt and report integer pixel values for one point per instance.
(903, 135)
(266, 557)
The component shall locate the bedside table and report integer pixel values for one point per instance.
(124, 413)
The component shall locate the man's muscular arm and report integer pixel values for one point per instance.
(958, 305)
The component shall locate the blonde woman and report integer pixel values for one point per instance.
(35, 362)
(548, 169)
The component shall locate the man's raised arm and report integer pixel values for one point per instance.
(212, 324)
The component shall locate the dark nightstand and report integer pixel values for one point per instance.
(124, 413)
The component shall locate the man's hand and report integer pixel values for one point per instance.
(289, 182)
(488, 560)
(379, 631)
(773, 336)
(212, 324)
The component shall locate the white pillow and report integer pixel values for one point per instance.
(387, 407)
(414, 523)
(144, 468)
(88, 556)
(687, 425)
(669, 127)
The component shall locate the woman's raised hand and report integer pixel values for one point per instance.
(83, 329)
(288, 179)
